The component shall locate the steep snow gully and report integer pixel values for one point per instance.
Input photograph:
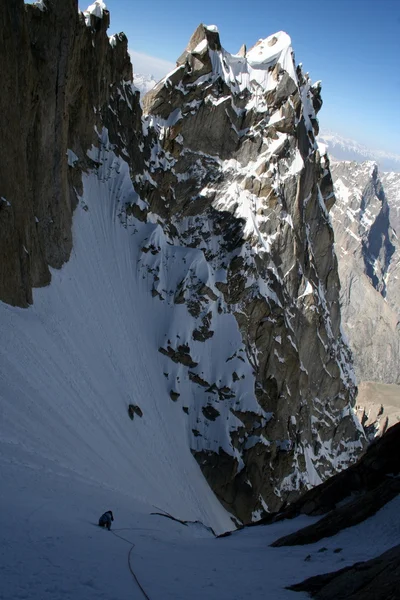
(70, 366)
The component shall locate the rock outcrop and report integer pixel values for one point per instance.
(376, 579)
(350, 496)
(391, 187)
(369, 267)
(230, 212)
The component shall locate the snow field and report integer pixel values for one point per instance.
(52, 549)
(72, 363)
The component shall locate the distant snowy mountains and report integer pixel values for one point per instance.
(144, 83)
(346, 149)
(365, 220)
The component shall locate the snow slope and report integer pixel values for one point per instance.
(51, 548)
(72, 363)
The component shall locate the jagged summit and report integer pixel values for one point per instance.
(259, 70)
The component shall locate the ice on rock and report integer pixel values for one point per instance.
(72, 158)
(40, 4)
(96, 9)
(276, 48)
(252, 70)
(200, 47)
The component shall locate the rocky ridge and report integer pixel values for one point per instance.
(350, 496)
(376, 579)
(391, 186)
(230, 209)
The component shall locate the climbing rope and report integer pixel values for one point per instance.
(129, 562)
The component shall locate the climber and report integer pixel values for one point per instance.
(105, 520)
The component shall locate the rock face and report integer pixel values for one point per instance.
(60, 73)
(391, 187)
(369, 267)
(242, 183)
(350, 496)
(376, 579)
(231, 215)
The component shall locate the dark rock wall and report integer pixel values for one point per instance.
(58, 76)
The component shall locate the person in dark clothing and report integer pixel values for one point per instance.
(105, 519)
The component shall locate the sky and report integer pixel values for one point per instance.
(353, 46)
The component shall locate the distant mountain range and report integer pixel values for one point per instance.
(345, 149)
(144, 83)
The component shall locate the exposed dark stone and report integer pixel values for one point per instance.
(179, 356)
(197, 379)
(354, 512)
(376, 579)
(174, 395)
(134, 409)
(367, 486)
(210, 412)
(45, 57)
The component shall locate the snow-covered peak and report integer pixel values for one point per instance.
(96, 10)
(40, 4)
(252, 71)
(276, 48)
(255, 69)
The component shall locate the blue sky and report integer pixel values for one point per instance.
(353, 46)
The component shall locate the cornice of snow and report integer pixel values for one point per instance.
(96, 10)
(255, 69)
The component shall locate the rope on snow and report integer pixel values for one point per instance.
(129, 563)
